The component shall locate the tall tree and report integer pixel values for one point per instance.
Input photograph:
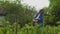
(54, 8)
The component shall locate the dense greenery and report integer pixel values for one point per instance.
(18, 15)
(53, 13)
(16, 12)
(55, 9)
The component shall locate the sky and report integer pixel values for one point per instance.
(39, 4)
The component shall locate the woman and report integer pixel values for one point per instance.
(39, 17)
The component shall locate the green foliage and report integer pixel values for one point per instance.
(16, 12)
(55, 8)
(54, 12)
(27, 29)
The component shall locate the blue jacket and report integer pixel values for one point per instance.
(41, 17)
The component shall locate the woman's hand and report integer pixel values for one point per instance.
(35, 20)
